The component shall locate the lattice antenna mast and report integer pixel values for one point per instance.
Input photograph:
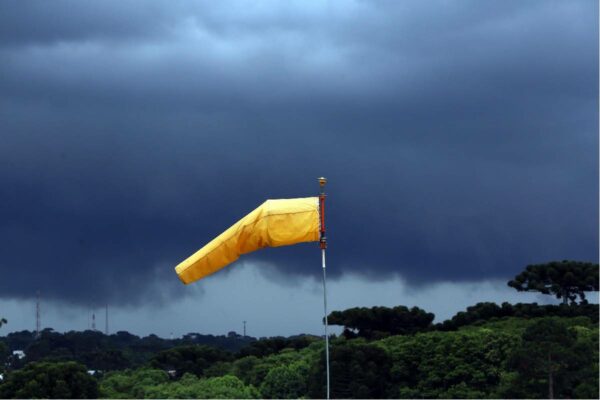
(106, 321)
(38, 318)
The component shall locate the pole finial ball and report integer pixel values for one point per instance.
(322, 181)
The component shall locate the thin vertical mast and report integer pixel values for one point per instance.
(323, 245)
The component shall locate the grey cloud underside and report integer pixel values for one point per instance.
(460, 140)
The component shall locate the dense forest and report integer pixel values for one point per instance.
(486, 351)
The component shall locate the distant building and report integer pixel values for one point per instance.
(93, 372)
(20, 354)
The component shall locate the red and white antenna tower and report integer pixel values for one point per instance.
(38, 318)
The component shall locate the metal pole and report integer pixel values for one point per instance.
(323, 245)
(326, 325)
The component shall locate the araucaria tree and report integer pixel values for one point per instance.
(379, 322)
(567, 280)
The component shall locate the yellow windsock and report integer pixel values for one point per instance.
(274, 223)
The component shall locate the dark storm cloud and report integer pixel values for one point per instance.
(460, 139)
(35, 22)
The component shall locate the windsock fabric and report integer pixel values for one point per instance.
(274, 223)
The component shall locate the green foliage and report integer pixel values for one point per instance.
(155, 384)
(567, 279)
(486, 351)
(286, 381)
(469, 363)
(130, 384)
(358, 370)
(224, 387)
(4, 353)
(250, 370)
(464, 364)
(19, 340)
(50, 380)
(106, 360)
(219, 368)
(553, 360)
(274, 345)
(101, 352)
(482, 312)
(517, 326)
(193, 359)
(232, 342)
(379, 322)
(253, 370)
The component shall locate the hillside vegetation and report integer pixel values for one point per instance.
(479, 353)
(486, 351)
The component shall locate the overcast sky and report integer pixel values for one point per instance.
(460, 140)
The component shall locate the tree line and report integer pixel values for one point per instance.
(508, 357)
(487, 351)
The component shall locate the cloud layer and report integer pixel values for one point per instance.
(460, 140)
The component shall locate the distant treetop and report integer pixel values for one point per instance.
(567, 280)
